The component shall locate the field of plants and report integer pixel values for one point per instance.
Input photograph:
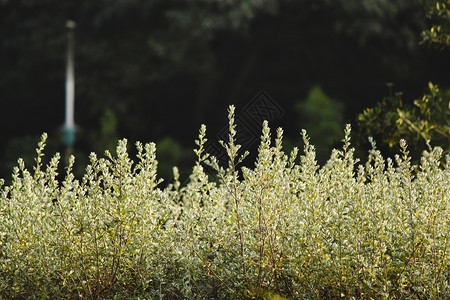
(285, 229)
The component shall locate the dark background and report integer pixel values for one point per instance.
(156, 70)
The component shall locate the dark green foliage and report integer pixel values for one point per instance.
(426, 123)
(439, 13)
(322, 117)
(161, 63)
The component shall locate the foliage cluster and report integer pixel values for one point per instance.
(439, 12)
(129, 56)
(424, 124)
(322, 117)
(285, 228)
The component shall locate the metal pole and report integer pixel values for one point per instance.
(68, 136)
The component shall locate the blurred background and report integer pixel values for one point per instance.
(155, 70)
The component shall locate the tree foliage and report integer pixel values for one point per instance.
(439, 13)
(322, 117)
(427, 122)
(157, 64)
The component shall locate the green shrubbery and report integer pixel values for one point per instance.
(286, 228)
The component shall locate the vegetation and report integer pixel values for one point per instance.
(141, 64)
(424, 124)
(285, 228)
(322, 117)
(427, 121)
(439, 12)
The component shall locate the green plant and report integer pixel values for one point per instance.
(424, 124)
(287, 228)
(439, 12)
(322, 117)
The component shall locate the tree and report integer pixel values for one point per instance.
(424, 124)
(427, 122)
(322, 117)
(162, 67)
(439, 13)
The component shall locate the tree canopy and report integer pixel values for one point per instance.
(160, 68)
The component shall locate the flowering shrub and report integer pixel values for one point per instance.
(286, 228)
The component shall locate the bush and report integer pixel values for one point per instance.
(286, 228)
(424, 124)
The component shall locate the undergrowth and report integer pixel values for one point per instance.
(287, 228)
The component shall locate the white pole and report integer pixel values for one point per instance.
(68, 134)
(70, 78)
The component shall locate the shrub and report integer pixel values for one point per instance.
(424, 124)
(285, 228)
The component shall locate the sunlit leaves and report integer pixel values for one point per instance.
(285, 228)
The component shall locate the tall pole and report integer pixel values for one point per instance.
(68, 135)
